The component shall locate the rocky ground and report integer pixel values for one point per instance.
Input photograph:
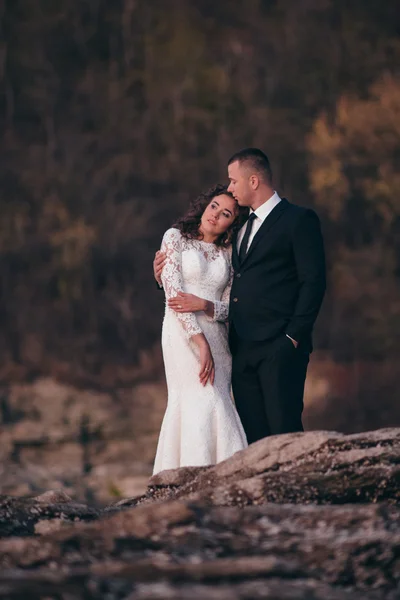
(301, 516)
(96, 446)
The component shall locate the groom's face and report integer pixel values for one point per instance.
(239, 184)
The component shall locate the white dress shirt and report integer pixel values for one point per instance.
(261, 213)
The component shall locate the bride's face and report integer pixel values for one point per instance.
(218, 215)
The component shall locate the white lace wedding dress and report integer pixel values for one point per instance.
(201, 425)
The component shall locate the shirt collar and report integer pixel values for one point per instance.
(263, 211)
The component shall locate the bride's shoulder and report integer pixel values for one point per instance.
(172, 234)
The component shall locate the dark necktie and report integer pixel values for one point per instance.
(245, 240)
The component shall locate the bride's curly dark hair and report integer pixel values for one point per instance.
(189, 224)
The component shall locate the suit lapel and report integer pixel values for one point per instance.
(272, 218)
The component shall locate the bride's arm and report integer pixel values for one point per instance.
(184, 303)
(172, 279)
(172, 283)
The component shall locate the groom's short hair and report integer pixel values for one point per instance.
(255, 159)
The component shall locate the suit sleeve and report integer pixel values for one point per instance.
(309, 256)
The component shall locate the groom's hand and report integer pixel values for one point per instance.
(295, 344)
(158, 265)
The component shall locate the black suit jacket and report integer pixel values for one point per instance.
(279, 287)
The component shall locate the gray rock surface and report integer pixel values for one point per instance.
(26, 516)
(314, 467)
(301, 516)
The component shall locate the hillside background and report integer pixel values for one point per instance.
(113, 116)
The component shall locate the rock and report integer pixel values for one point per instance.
(299, 516)
(43, 527)
(20, 516)
(312, 515)
(322, 467)
(259, 589)
(315, 547)
(53, 497)
(176, 477)
(24, 586)
(94, 445)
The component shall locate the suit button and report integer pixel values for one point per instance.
(235, 299)
(238, 275)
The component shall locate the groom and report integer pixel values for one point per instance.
(277, 291)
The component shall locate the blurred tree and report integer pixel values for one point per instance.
(114, 115)
(354, 173)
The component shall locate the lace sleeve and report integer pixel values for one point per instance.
(221, 307)
(172, 278)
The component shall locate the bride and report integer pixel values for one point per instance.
(201, 425)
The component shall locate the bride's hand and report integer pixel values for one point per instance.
(183, 303)
(207, 368)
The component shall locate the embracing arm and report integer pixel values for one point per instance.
(219, 310)
(221, 307)
(309, 255)
(158, 265)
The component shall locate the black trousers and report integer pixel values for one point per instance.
(268, 385)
